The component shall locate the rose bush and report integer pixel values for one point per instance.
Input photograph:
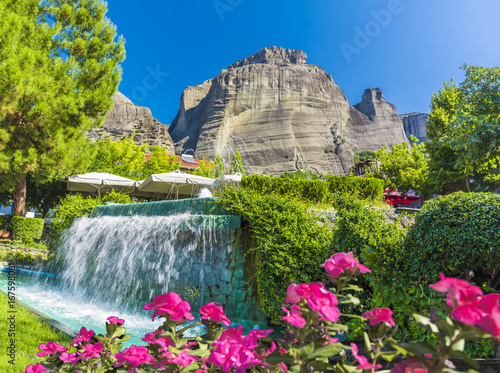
(309, 342)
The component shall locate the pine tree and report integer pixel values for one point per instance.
(59, 67)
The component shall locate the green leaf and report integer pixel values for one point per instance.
(327, 351)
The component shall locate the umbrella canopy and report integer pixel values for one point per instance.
(228, 180)
(174, 183)
(100, 182)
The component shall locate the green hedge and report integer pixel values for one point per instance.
(6, 223)
(313, 190)
(316, 190)
(453, 233)
(361, 187)
(27, 229)
(291, 246)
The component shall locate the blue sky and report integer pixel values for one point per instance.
(408, 48)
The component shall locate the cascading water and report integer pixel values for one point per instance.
(125, 255)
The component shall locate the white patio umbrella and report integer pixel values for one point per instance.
(174, 182)
(93, 182)
(234, 179)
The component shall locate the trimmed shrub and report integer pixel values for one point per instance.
(368, 188)
(290, 244)
(453, 233)
(27, 229)
(312, 190)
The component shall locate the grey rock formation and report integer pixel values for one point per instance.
(126, 119)
(273, 56)
(282, 114)
(415, 124)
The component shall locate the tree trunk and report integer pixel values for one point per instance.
(19, 208)
(467, 183)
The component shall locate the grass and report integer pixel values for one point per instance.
(32, 245)
(30, 332)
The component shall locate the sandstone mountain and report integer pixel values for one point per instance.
(282, 114)
(414, 124)
(126, 119)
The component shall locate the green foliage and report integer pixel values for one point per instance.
(454, 233)
(23, 257)
(206, 169)
(443, 177)
(237, 164)
(30, 333)
(368, 188)
(290, 244)
(309, 190)
(6, 223)
(43, 193)
(74, 206)
(403, 168)
(364, 155)
(27, 229)
(299, 174)
(63, 61)
(160, 162)
(122, 157)
(475, 136)
(219, 169)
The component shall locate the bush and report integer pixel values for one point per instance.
(311, 190)
(27, 229)
(453, 233)
(6, 223)
(290, 244)
(360, 187)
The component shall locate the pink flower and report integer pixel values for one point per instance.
(412, 365)
(214, 313)
(116, 320)
(295, 293)
(183, 359)
(226, 355)
(341, 262)
(379, 315)
(293, 316)
(250, 340)
(163, 342)
(283, 367)
(363, 361)
(84, 336)
(133, 356)
(325, 303)
(232, 335)
(39, 368)
(172, 304)
(91, 351)
(459, 291)
(269, 351)
(330, 340)
(68, 358)
(50, 348)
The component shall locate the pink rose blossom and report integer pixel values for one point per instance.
(172, 304)
(69, 358)
(91, 351)
(294, 316)
(116, 320)
(341, 262)
(38, 368)
(214, 313)
(363, 361)
(50, 348)
(379, 315)
(83, 336)
(183, 359)
(133, 356)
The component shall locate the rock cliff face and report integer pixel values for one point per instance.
(126, 119)
(282, 114)
(414, 124)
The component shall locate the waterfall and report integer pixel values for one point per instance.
(125, 255)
